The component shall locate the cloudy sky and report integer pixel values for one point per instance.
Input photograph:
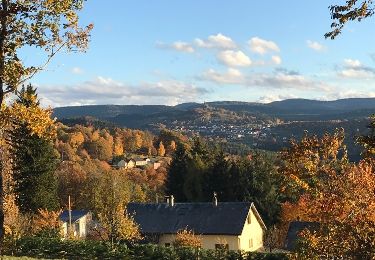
(169, 52)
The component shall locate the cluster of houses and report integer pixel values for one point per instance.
(220, 225)
(139, 162)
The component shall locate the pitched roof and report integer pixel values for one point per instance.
(295, 228)
(227, 218)
(76, 214)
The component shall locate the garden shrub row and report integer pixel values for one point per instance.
(73, 249)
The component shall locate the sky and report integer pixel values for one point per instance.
(170, 52)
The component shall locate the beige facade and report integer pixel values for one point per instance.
(79, 227)
(251, 238)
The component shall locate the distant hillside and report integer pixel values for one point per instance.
(291, 109)
(265, 126)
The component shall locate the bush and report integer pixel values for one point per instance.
(40, 247)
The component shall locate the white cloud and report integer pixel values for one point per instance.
(103, 90)
(77, 70)
(231, 76)
(178, 46)
(356, 70)
(276, 60)
(316, 46)
(262, 46)
(183, 46)
(351, 93)
(218, 41)
(280, 79)
(357, 74)
(352, 63)
(234, 58)
(269, 98)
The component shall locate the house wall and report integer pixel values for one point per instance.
(252, 231)
(82, 223)
(208, 241)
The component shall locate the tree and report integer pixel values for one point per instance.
(44, 24)
(306, 163)
(112, 195)
(47, 25)
(161, 149)
(35, 161)
(352, 10)
(345, 212)
(368, 141)
(187, 238)
(177, 173)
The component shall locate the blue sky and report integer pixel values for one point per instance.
(169, 52)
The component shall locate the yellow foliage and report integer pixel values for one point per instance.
(187, 238)
(37, 119)
(47, 220)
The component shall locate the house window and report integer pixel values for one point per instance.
(167, 244)
(249, 219)
(221, 246)
(250, 243)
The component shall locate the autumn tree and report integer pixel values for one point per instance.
(112, 194)
(171, 147)
(187, 238)
(306, 163)
(47, 224)
(161, 149)
(35, 161)
(47, 25)
(345, 212)
(352, 10)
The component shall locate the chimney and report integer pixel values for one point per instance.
(215, 199)
(166, 199)
(171, 201)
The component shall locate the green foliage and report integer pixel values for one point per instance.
(196, 173)
(70, 249)
(368, 141)
(35, 161)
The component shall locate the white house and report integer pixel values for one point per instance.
(230, 225)
(80, 219)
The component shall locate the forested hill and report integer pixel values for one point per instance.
(291, 109)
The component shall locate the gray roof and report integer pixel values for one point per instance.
(76, 214)
(227, 218)
(295, 228)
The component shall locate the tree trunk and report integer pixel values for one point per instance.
(3, 34)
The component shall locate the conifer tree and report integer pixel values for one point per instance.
(177, 173)
(34, 163)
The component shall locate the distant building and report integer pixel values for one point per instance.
(131, 164)
(80, 220)
(230, 225)
(141, 161)
(122, 164)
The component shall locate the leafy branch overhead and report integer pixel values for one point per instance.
(50, 26)
(352, 10)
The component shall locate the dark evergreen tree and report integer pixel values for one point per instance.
(177, 173)
(35, 162)
(218, 178)
(259, 183)
(368, 141)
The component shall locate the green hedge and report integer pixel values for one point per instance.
(70, 249)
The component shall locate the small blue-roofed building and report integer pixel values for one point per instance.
(80, 220)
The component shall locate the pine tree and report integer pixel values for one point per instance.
(177, 174)
(34, 163)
